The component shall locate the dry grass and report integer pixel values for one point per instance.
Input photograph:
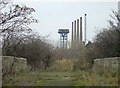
(38, 78)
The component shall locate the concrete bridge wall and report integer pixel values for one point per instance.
(106, 64)
(14, 62)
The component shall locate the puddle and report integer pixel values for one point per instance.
(48, 78)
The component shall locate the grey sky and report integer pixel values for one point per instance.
(55, 15)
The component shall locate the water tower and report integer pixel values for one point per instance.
(63, 37)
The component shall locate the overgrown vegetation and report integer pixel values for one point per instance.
(20, 41)
(38, 78)
(18, 38)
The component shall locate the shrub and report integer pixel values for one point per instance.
(62, 65)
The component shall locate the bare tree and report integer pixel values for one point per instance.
(107, 42)
(14, 20)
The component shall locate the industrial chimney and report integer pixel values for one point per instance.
(77, 30)
(81, 29)
(72, 33)
(85, 28)
(77, 35)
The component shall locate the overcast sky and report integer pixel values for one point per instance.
(54, 15)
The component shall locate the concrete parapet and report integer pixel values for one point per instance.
(104, 64)
(15, 63)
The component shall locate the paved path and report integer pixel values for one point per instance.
(57, 79)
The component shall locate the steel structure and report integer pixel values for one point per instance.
(63, 37)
